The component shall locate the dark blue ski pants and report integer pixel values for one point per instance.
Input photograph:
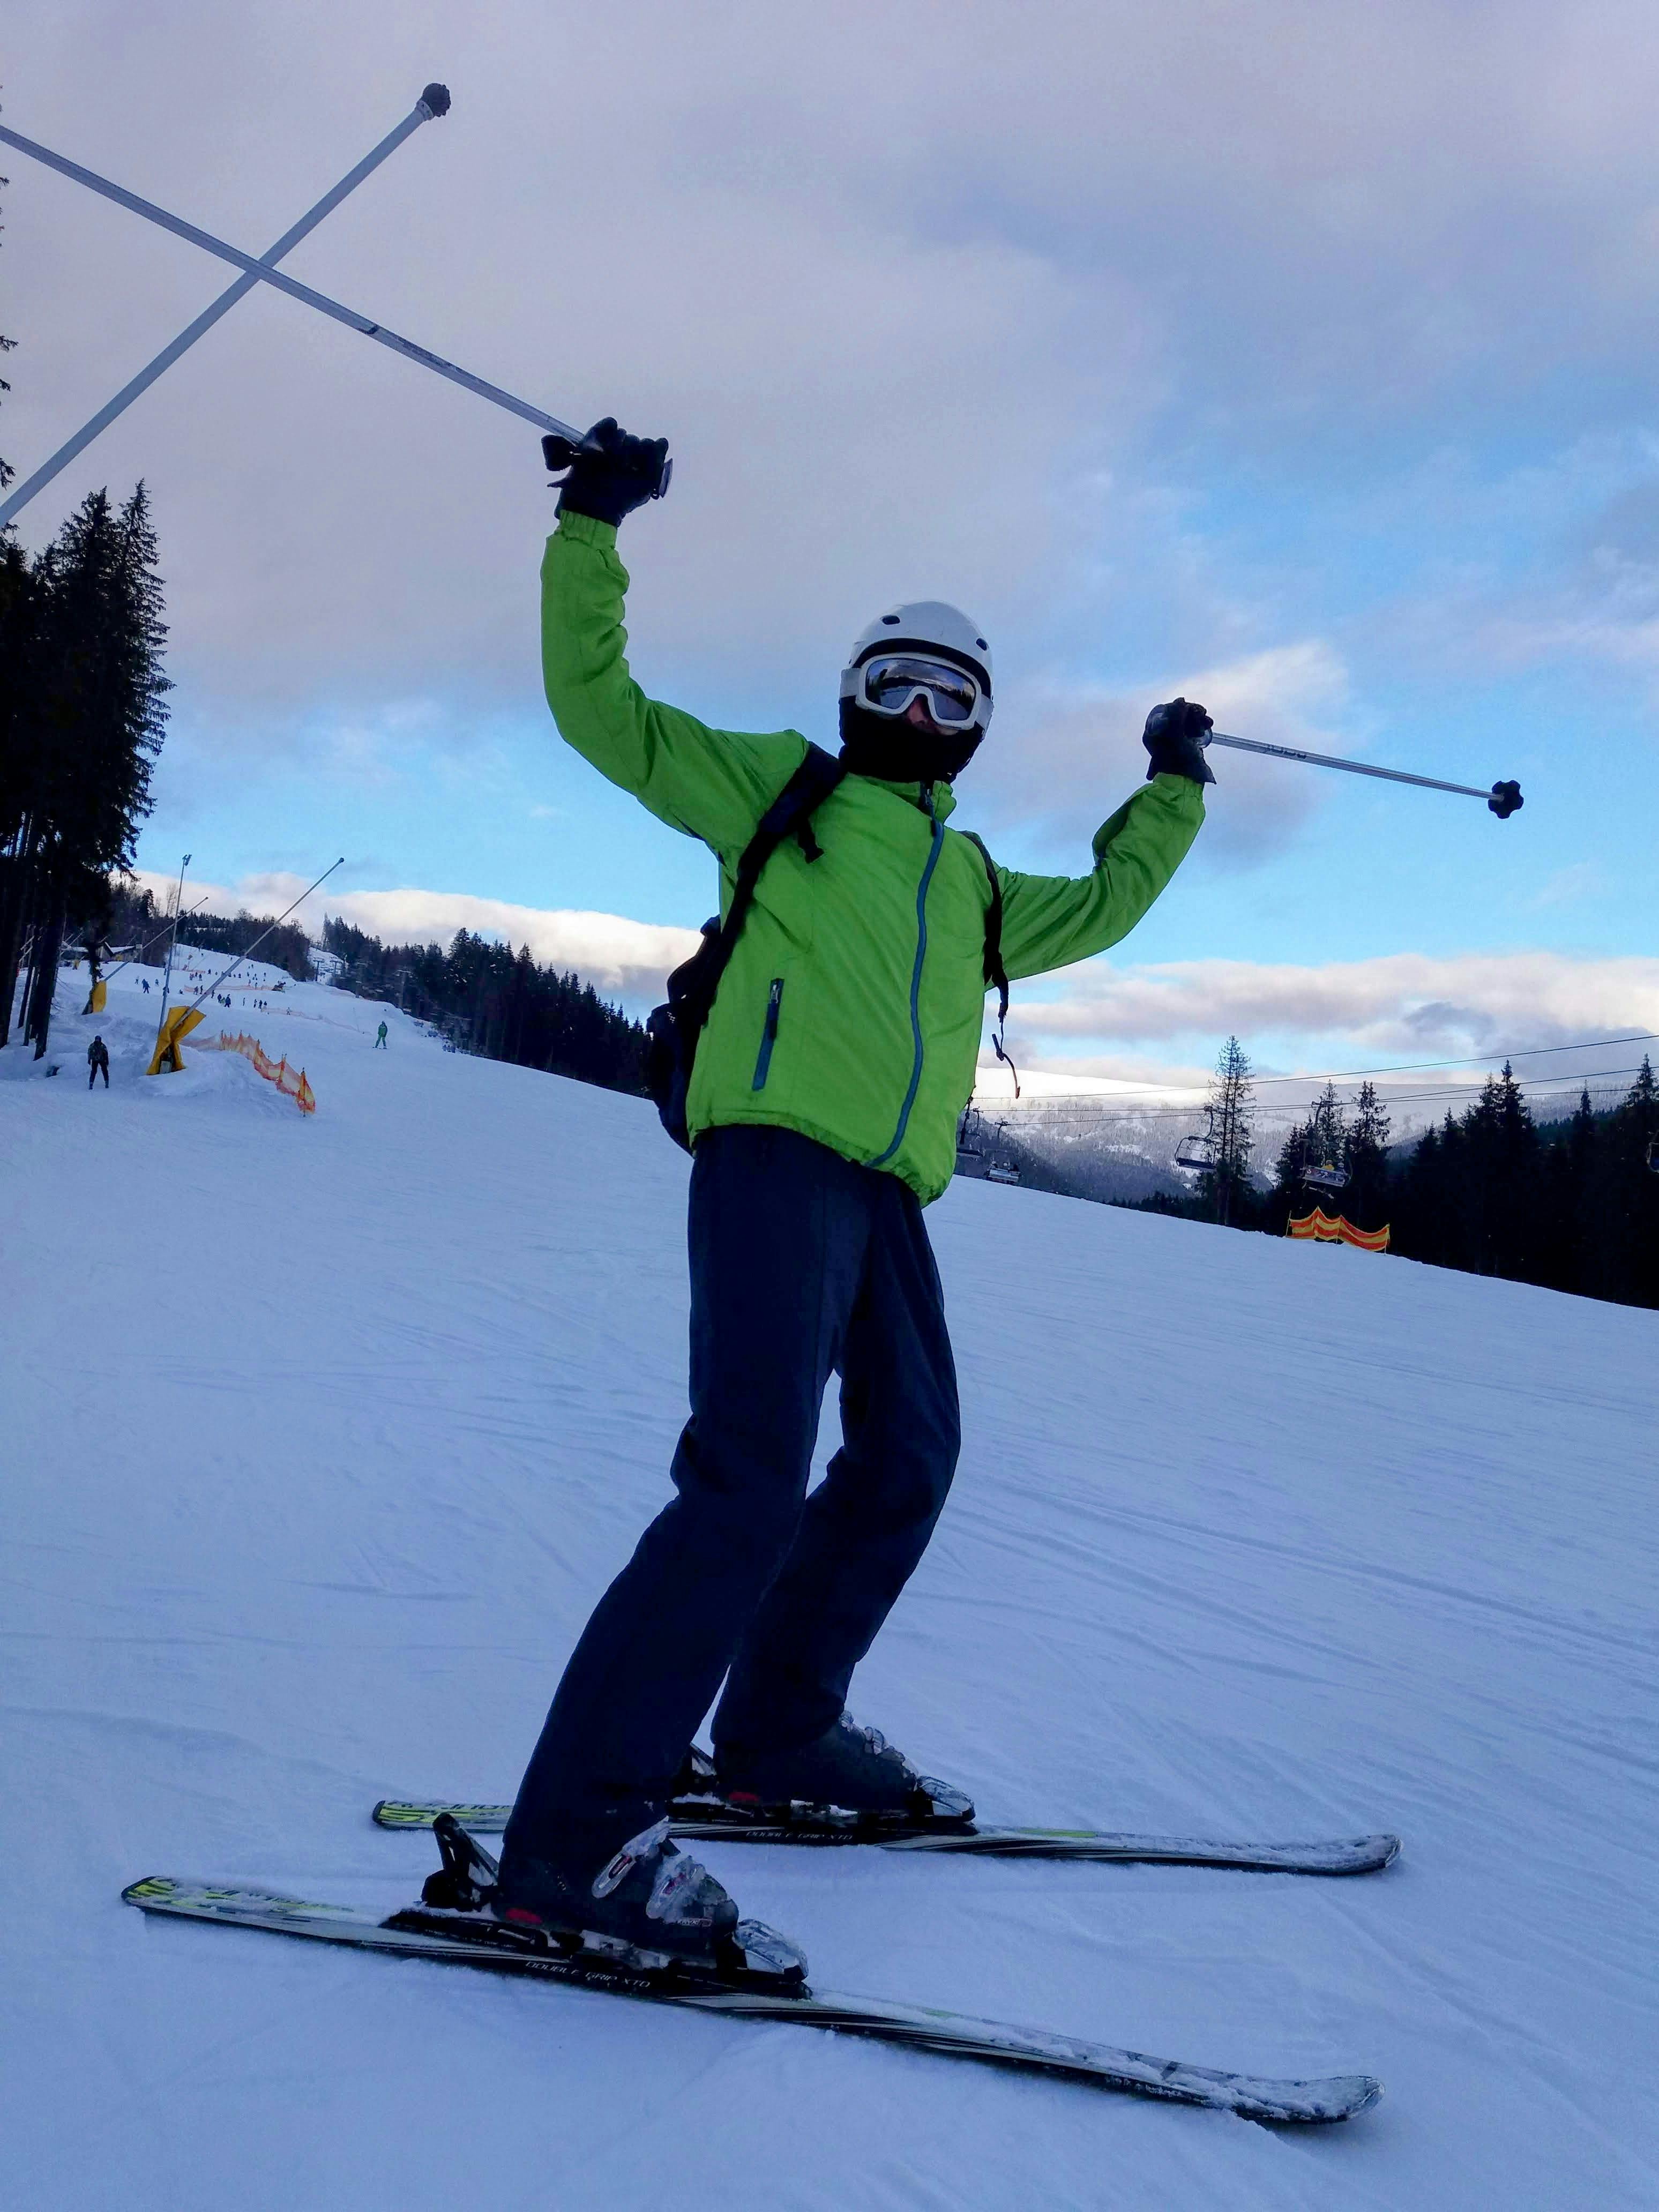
(803, 1264)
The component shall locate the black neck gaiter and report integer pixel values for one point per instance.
(897, 752)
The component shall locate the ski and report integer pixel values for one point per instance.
(712, 1822)
(472, 1940)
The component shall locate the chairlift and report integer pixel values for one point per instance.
(1327, 1177)
(1198, 1150)
(1002, 1171)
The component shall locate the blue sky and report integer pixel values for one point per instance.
(1299, 358)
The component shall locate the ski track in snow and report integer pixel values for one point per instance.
(323, 1436)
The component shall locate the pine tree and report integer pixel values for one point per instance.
(1287, 1197)
(1328, 1132)
(1641, 1110)
(1231, 1108)
(17, 613)
(1570, 1172)
(91, 720)
(1371, 1123)
(1292, 1158)
(1366, 1160)
(21, 757)
(7, 345)
(1633, 1227)
(499, 1005)
(1502, 1143)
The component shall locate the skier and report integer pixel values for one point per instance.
(379, 1038)
(823, 1109)
(97, 1060)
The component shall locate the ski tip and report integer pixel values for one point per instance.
(1311, 2104)
(394, 1813)
(1353, 2094)
(408, 1813)
(151, 1890)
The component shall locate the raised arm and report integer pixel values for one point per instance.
(713, 784)
(1048, 921)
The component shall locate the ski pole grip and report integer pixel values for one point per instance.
(1505, 799)
(559, 453)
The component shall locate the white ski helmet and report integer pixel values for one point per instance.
(923, 628)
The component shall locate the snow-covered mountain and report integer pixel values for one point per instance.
(322, 1434)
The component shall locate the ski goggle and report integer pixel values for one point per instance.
(887, 683)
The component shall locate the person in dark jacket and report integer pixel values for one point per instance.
(97, 1060)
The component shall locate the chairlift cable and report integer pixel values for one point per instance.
(1470, 1090)
(1399, 1068)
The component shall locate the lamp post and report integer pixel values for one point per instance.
(172, 936)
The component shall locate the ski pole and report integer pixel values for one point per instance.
(434, 101)
(261, 938)
(560, 446)
(1503, 798)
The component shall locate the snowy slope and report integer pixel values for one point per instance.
(322, 1435)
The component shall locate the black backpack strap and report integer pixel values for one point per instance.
(996, 975)
(672, 1031)
(790, 812)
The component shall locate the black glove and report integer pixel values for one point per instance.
(1175, 736)
(610, 483)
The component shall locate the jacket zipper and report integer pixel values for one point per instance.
(768, 1035)
(915, 982)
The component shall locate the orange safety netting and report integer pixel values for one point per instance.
(1334, 1228)
(291, 1082)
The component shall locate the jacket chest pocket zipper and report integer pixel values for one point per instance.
(768, 1035)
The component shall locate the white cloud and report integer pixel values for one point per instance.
(1408, 1003)
(1579, 879)
(898, 281)
(929, 301)
(1065, 743)
(616, 955)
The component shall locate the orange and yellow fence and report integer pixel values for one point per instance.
(290, 1081)
(1334, 1228)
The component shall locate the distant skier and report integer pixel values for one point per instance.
(823, 1109)
(97, 1062)
(379, 1038)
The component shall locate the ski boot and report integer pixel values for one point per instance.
(650, 1910)
(850, 1778)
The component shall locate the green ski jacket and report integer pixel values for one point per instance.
(854, 1006)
